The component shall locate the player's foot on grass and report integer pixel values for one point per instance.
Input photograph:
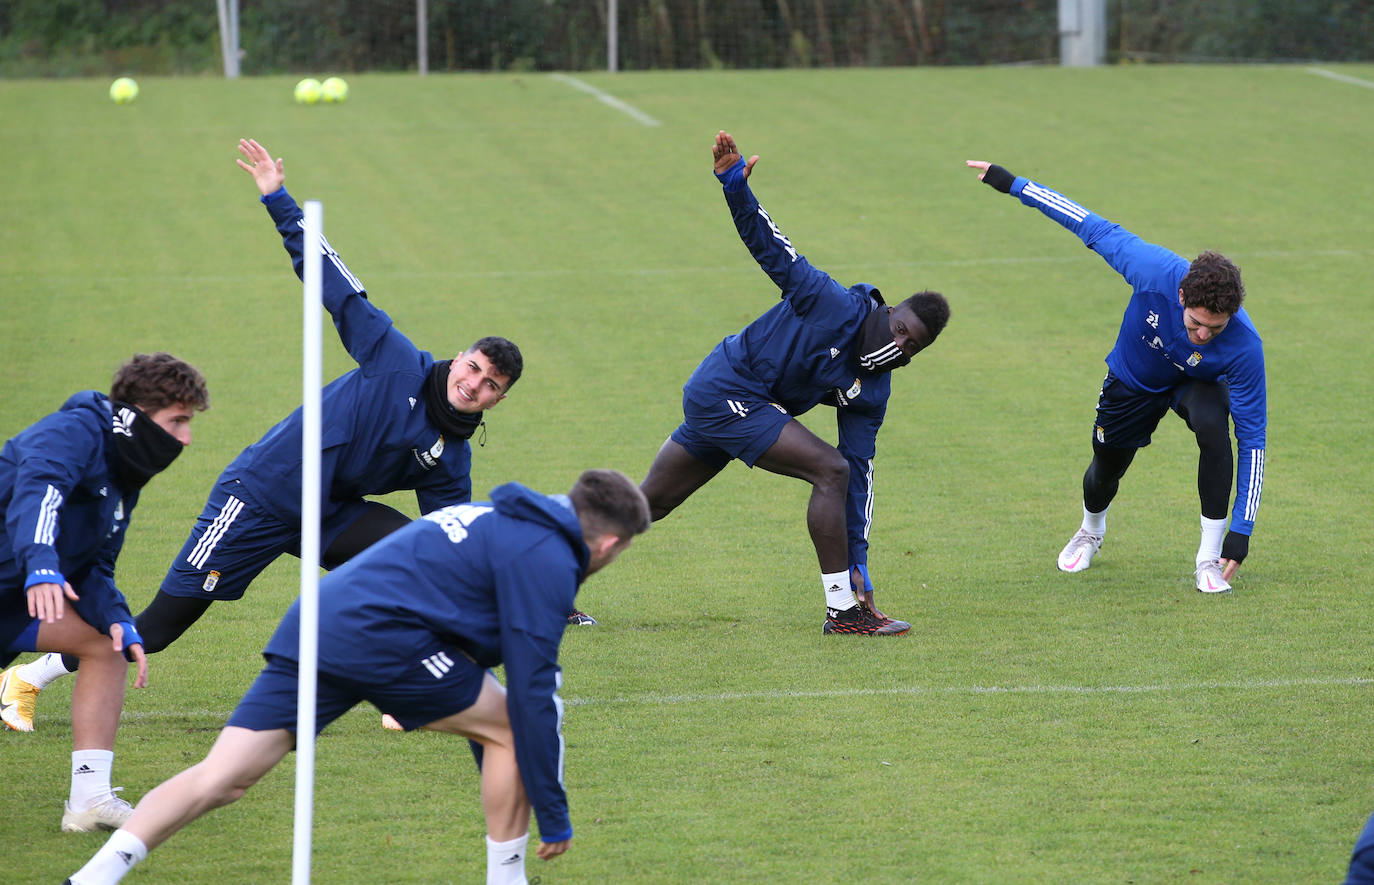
(1209, 578)
(1077, 555)
(390, 724)
(862, 622)
(580, 619)
(16, 701)
(108, 814)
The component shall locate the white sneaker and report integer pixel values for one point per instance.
(1209, 579)
(107, 815)
(1077, 555)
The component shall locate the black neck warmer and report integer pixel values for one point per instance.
(142, 448)
(877, 349)
(441, 413)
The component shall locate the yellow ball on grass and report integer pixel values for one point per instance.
(335, 89)
(308, 91)
(124, 90)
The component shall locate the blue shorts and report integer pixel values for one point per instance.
(18, 629)
(1127, 418)
(717, 431)
(416, 699)
(234, 539)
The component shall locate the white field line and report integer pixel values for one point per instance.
(647, 700)
(607, 99)
(1344, 78)
(664, 700)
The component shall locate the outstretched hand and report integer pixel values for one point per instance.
(980, 165)
(727, 155)
(265, 171)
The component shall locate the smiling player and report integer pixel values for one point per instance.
(401, 420)
(1185, 344)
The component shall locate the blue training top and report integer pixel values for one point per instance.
(376, 435)
(1153, 353)
(496, 579)
(802, 353)
(64, 517)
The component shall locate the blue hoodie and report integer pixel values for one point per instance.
(802, 352)
(377, 437)
(64, 517)
(495, 579)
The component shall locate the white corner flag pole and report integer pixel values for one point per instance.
(310, 546)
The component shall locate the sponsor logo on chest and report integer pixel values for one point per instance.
(430, 459)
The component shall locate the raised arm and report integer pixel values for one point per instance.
(1143, 265)
(362, 326)
(774, 252)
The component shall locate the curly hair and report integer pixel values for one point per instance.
(504, 355)
(931, 309)
(1213, 283)
(154, 381)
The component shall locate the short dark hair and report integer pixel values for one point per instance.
(931, 309)
(609, 503)
(1213, 283)
(504, 355)
(155, 381)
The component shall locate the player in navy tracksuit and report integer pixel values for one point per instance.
(412, 625)
(1361, 870)
(1185, 344)
(401, 420)
(68, 485)
(821, 344)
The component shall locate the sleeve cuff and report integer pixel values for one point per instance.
(44, 576)
(998, 178)
(733, 178)
(276, 194)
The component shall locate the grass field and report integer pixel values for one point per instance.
(1114, 726)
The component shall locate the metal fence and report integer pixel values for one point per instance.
(93, 37)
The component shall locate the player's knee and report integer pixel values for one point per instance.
(1213, 433)
(832, 473)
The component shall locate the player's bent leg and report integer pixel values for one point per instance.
(375, 521)
(487, 722)
(237, 761)
(801, 454)
(673, 476)
(1100, 483)
(97, 699)
(167, 617)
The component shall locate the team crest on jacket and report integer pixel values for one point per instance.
(842, 397)
(429, 460)
(1195, 358)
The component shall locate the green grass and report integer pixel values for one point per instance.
(1112, 727)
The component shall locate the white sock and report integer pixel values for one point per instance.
(1209, 548)
(506, 861)
(115, 858)
(42, 671)
(1095, 523)
(838, 594)
(90, 777)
